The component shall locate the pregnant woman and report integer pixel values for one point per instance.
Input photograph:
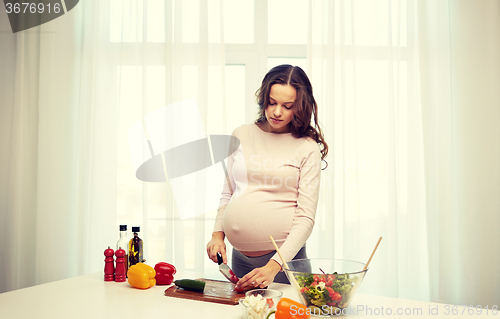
(273, 181)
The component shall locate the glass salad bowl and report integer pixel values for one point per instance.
(325, 286)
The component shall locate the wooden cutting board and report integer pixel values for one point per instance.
(215, 291)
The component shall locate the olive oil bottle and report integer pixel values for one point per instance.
(135, 248)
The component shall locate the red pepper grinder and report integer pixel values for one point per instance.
(109, 266)
(120, 271)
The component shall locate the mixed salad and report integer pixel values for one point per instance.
(328, 291)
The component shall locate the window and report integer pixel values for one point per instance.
(257, 35)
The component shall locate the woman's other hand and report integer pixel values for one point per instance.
(217, 245)
(259, 277)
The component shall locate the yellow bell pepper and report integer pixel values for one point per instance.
(141, 276)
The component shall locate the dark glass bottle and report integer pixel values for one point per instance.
(135, 248)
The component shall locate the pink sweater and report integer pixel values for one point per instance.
(275, 178)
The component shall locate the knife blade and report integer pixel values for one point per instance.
(225, 270)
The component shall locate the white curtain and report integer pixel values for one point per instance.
(363, 60)
(408, 99)
(59, 154)
(460, 74)
(72, 89)
(414, 153)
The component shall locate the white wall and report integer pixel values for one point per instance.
(475, 62)
(7, 78)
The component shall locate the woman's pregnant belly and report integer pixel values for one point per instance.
(249, 221)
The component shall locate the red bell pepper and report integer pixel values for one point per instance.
(164, 273)
(290, 309)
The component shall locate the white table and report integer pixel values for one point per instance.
(90, 296)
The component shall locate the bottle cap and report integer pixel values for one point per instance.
(136, 229)
(123, 227)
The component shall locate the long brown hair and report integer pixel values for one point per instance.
(305, 104)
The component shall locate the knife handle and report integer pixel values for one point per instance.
(219, 259)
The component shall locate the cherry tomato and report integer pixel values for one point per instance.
(337, 296)
(240, 290)
(270, 302)
(330, 292)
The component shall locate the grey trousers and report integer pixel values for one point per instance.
(242, 265)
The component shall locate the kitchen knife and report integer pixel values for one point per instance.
(225, 270)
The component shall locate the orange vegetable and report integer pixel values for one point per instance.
(141, 276)
(290, 309)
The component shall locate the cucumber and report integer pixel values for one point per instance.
(190, 284)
